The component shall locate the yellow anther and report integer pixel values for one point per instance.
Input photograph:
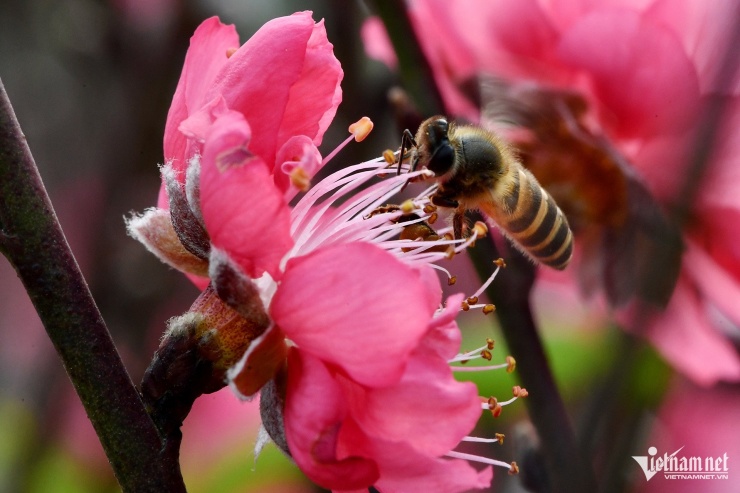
(500, 262)
(300, 179)
(433, 218)
(495, 407)
(464, 305)
(500, 437)
(511, 364)
(361, 128)
(480, 229)
(514, 469)
(490, 343)
(429, 208)
(389, 156)
(486, 354)
(451, 281)
(473, 300)
(489, 308)
(408, 206)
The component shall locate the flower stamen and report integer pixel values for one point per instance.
(361, 128)
(513, 468)
(489, 280)
(499, 439)
(300, 179)
(358, 131)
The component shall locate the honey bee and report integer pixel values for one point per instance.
(475, 169)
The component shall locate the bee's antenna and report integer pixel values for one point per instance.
(407, 142)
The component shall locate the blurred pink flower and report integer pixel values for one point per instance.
(644, 69)
(711, 437)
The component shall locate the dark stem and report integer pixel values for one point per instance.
(416, 74)
(566, 467)
(32, 240)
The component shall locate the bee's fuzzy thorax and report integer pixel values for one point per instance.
(477, 169)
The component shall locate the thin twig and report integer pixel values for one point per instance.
(416, 73)
(33, 242)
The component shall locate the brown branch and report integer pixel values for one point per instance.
(416, 73)
(32, 240)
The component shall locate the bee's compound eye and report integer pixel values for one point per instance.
(442, 159)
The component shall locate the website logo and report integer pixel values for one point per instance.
(674, 466)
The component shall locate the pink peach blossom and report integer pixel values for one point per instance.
(271, 98)
(284, 80)
(346, 347)
(645, 68)
(349, 312)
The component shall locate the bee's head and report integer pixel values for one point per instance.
(439, 152)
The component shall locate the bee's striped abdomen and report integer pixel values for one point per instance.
(533, 220)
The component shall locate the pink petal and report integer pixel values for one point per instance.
(245, 215)
(450, 54)
(377, 43)
(712, 436)
(716, 235)
(638, 70)
(721, 184)
(315, 96)
(205, 58)
(505, 39)
(661, 162)
(564, 13)
(285, 82)
(428, 409)
(404, 469)
(705, 29)
(523, 30)
(314, 411)
(444, 337)
(298, 151)
(356, 306)
(198, 125)
(716, 284)
(689, 342)
(444, 41)
(414, 473)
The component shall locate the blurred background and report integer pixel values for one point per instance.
(91, 83)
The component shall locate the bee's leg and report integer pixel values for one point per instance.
(458, 223)
(384, 209)
(407, 142)
(442, 201)
(458, 220)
